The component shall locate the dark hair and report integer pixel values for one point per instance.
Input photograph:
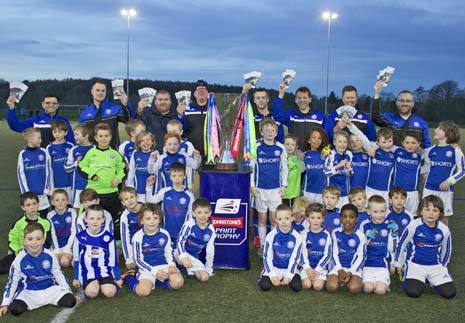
(404, 92)
(98, 81)
(435, 201)
(50, 95)
(386, 133)
(376, 199)
(177, 167)
(323, 135)
(28, 196)
(350, 207)
(150, 207)
(283, 207)
(413, 134)
(33, 226)
(201, 202)
(260, 89)
(451, 131)
(101, 126)
(316, 208)
(97, 208)
(397, 190)
(59, 124)
(131, 126)
(88, 194)
(348, 88)
(304, 89)
(129, 190)
(59, 191)
(84, 128)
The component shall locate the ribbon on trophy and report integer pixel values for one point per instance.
(244, 122)
(212, 128)
(238, 127)
(250, 139)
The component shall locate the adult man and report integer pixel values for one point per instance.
(193, 116)
(101, 110)
(261, 100)
(361, 120)
(403, 119)
(42, 121)
(299, 121)
(157, 118)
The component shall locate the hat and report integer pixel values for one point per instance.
(200, 83)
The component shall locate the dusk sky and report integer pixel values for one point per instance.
(219, 41)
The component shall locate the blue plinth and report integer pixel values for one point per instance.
(229, 195)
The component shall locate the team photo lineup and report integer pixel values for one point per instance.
(344, 200)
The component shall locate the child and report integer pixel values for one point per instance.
(63, 227)
(444, 166)
(78, 182)
(298, 214)
(133, 128)
(88, 198)
(432, 244)
(177, 201)
(358, 197)
(29, 204)
(338, 169)
(317, 249)
(349, 252)
(294, 165)
(39, 273)
(129, 223)
(58, 151)
(163, 163)
(314, 160)
(359, 163)
(331, 198)
(269, 176)
(186, 147)
(380, 245)
(196, 235)
(153, 255)
(398, 214)
(104, 169)
(95, 258)
(138, 163)
(282, 253)
(34, 169)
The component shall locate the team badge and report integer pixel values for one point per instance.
(449, 154)
(67, 150)
(351, 243)
(322, 242)
(290, 244)
(41, 157)
(313, 116)
(414, 155)
(364, 157)
(404, 221)
(206, 237)
(337, 221)
(68, 219)
(391, 156)
(294, 159)
(161, 241)
(106, 238)
(398, 159)
(438, 237)
(181, 160)
(108, 111)
(416, 124)
(46, 264)
(111, 156)
(374, 160)
(277, 153)
(182, 200)
(384, 233)
(359, 116)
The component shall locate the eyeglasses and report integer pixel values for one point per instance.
(405, 101)
(51, 103)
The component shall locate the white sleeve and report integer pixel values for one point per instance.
(131, 179)
(70, 164)
(295, 257)
(426, 162)
(192, 162)
(53, 234)
(138, 255)
(360, 255)
(169, 252)
(327, 255)
(283, 168)
(72, 235)
(269, 268)
(337, 263)
(401, 248)
(49, 175)
(126, 245)
(210, 252)
(13, 280)
(58, 274)
(21, 175)
(305, 262)
(253, 166)
(367, 144)
(459, 168)
(329, 167)
(349, 171)
(154, 164)
(157, 198)
(446, 246)
(181, 243)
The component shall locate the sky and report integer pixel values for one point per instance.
(219, 41)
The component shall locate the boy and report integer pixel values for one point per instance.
(34, 169)
(331, 198)
(298, 214)
(282, 253)
(359, 163)
(196, 235)
(177, 201)
(78, 183)
(104, 169)
(58, 151)
(444, 166)
(349, 252)
(269, 176)
(294, 165)
(380, 245)
(38, 271)
(95, 258)
(88, 198)
(133, 128)
(29, 204)
(316, 251)
(129, 223)
(153, 255)
(398, 214)
(358, 197)
(432, 241)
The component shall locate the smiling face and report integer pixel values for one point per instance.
(129, 200)
(410, 144)
(303, 100)
(146, 143)
(350, 98)
(99, 92)
(34, 242)
(385, 143)
(202, 215)
(201, 95)
(405, 104)
(163, 102)
(283, 219)
(261, 100)
(348, 220)
(377, 212)
(150, 221)
(95, 220)
(315, 140)
(290, 145)
(50, 105)
(103, 138)
(355, 144)
(340, 143)
(172, 145)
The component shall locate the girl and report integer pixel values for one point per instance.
(313, 162)
(63, 227)
(138, 164)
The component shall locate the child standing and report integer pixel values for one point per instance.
(34, 169)
(294, 165)
(129, 224)
(338, 168)
(138, 164)
(444, 166)
(317, 249)
(95, 258)
(314, 161)
(63, 227)
(359, 163)
(349, 252)
(358, 197)
(29, 204)
(153, 255)
(269, 176)
(196, 235)
(431, 241)
(133, 128)
(78, 183)
(32, 262)
(58, 151)
(331, 198)
(282, 253)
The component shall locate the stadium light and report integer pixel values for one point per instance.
(328, 16)
(129, 13)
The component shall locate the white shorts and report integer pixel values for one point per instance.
(436, 274)
(371, 191)
(43, 202)
(322, 276)
(38, 298)
(197, 265)
(343, 200)
(314, 197)
(143, 274)
(412, 202)
(75, 199)
(276, 273)
(376, 275)
(267, 199)
(334, 272)
(446, 197)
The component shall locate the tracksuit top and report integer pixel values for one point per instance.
(129, 225)
(78, 182)
(58, 157)
(34, 170)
